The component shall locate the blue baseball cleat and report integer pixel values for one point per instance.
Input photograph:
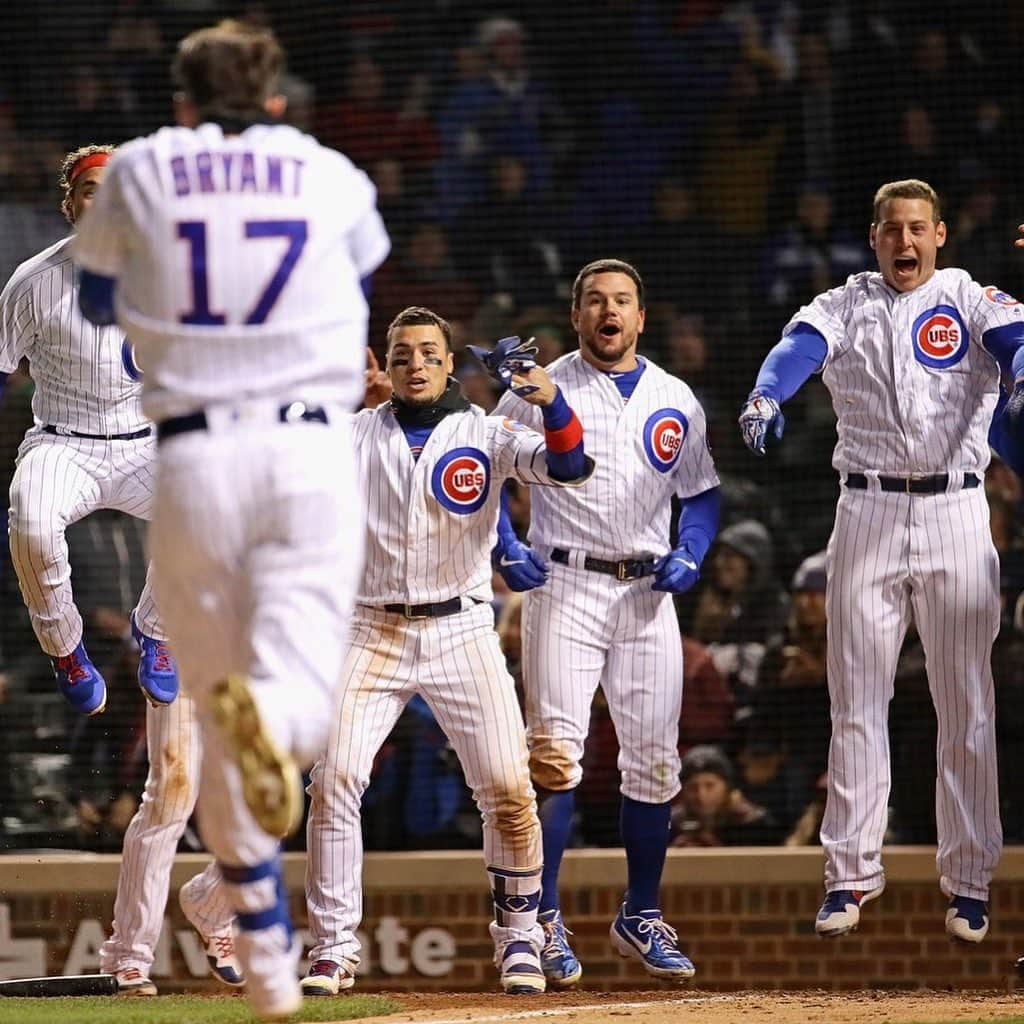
(840, 913)
(967, 919)
(561, 968)
(158, 675)
(80, 682)
(645, 936)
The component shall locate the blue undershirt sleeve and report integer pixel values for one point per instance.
(791, 362)
(698, 522)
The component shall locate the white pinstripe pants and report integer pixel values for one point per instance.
(151, 840)
(257, 550)
(455, 663)
(891, 558)
(58, 481)
(583, 629)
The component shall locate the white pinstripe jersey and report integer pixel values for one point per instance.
(645, 450)
(80, 379)
(912, 385)
(238, 261)
(430, 523)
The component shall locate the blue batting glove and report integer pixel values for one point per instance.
(676, 572)
(520, 567)
(509, 356)
(761, 416)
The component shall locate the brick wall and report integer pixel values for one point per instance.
(744, 916)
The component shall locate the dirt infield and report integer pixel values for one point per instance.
(663, 1007)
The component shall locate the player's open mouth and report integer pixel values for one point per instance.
(610, 330)
(906, 263)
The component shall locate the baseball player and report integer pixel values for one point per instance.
(91, 447)
(236, 251)
(912, 357)
(432, 466)
(605, 616)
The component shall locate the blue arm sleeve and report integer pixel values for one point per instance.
(506, 532)
(789, 364)
(366, 283)
(698, 522)
(96, 297)
(1004, 440)
(559, 419)
(1006, 343)
(3, 384)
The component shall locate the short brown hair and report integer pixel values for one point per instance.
(413, 316)
(230, 68)
(909, 188)
(607, 266)
(64, 179)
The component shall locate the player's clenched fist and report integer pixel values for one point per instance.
(676, 572)
(760, 416)
(520, 567)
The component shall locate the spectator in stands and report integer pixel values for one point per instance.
(503, 243)
(738, 606)
(787, 736)
(712, 811)
(503, 110)
(811, 255)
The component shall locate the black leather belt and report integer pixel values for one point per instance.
(64, 432)
(624, 570)
(293, 412)
(936, 484)
(427, 611)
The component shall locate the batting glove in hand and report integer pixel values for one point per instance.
(760, 416)
(510, 356)
(676, 572)
(520, 567)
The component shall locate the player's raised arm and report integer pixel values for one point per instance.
(784, 371)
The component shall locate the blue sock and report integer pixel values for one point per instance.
(645, 837)
(555, 811)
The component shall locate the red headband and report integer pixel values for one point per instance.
(85, 162)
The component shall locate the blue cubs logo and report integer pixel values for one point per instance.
(664, 433)
(461, 480)
(940, 337)
(1000, 298)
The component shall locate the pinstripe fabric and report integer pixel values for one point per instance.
(58, 481)
(250, 581)
(914, 391)
(456, 664)
(132, 232)
(894, 558)
(417, 550)
(582, 630)
(421, 550)
(585, 629)
(151, 840)
(624, 508)
(81, 382)
(896, 414)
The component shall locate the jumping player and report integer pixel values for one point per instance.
(912, 357)
(432, 466)
(238, 248)
(91, 447)
(605, 616)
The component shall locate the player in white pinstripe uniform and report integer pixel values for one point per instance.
(605, 616)
(432, 466)
(84, 379)
(91, 448)
(912, 357)
(234, 249)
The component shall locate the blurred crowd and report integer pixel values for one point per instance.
(730, 151)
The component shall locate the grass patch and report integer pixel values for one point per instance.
(180, 1009)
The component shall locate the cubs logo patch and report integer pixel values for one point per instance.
(129, 362)
(940, 337)
(664, 433)
(461, 480)
(1000, 298)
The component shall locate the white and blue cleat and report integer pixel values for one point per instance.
(645, 936)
